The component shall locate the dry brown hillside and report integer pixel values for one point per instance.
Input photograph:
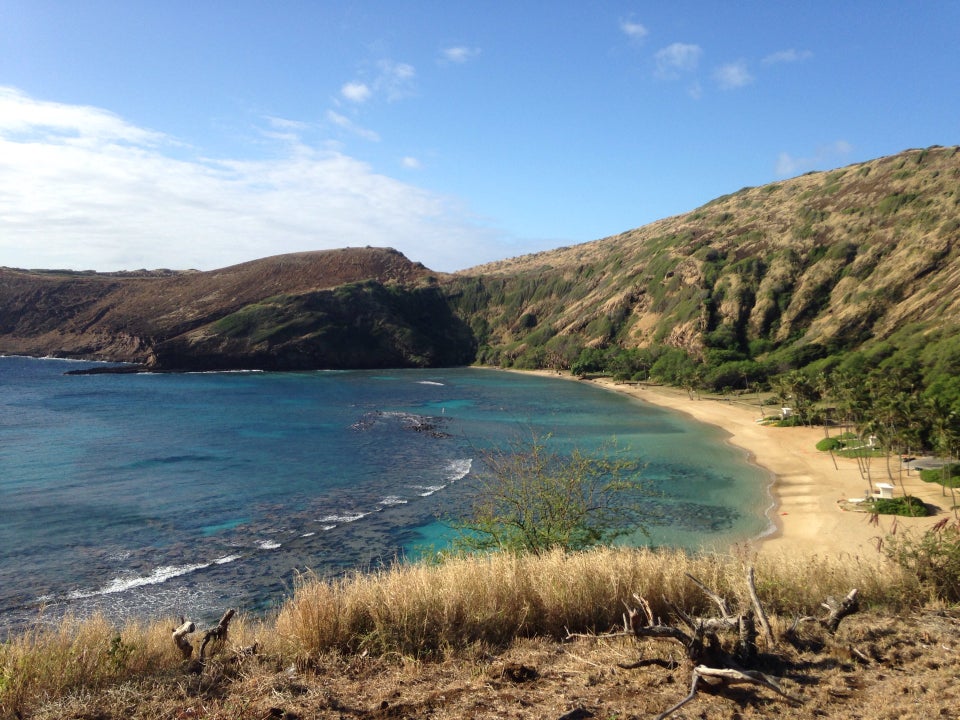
(127, 316)
(833, 259)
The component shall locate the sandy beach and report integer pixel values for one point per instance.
(808, 484)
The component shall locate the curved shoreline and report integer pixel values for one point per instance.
(809, 487)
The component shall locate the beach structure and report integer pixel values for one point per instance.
(883, 491)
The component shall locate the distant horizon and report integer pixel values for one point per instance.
(138, 135)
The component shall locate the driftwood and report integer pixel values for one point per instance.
(703, 674)
(838, 611)
(216, 635)
(180, 638)
(715, 666)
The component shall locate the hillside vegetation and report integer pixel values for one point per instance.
(751, 285)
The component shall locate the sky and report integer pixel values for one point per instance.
(204, 133)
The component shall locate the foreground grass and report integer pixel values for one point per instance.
(426, 613)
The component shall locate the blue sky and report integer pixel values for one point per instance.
(201, 134)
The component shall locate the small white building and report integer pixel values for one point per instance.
(884, 491)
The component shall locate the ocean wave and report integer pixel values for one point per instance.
(120, 584)
(428, 490)
(268, 544)
(223, 372)
(458, 469)
(429, 382)
(343, 518)
(226, 559)
(392, 500)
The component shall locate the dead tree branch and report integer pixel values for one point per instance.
(838, 611)
(217, 634)
(180, 638)
(758, 608)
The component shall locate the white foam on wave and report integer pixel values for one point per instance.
(268, 544)
(309, 534)
(457, 469)
(343, 518)
(429, 490)
(429, 382)
(392, 500)
(120, 584)
(327, 527)
(226, 559)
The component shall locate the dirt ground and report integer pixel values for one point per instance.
(876, 667)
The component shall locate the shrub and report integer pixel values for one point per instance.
(527, 498)
(948, 476)
(933, 558)
(829, 444)
(907, 506)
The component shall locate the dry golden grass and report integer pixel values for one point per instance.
(466, 611)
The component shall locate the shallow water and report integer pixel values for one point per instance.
(184, 494)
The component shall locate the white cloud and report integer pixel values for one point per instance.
(357, 92)
(459, 54)
(81, 188)
(787, 56)
(342, 121)
(633, 30)
(676, 59)
(733, 75)
(20, 114)
(411, 163)
(825, 156)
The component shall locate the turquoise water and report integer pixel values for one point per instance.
(185, 494)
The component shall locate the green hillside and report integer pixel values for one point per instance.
(854, 267)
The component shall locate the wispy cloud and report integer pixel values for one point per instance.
(733, 75)
(391, 81)
(345, 123)
(787, 56)
(825, 156)
(411, 163)
(24, 116)
(82, 188)
(677, 59)
(396, 80)
(634, 30)
(459, 54)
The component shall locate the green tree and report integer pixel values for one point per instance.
(527, 498)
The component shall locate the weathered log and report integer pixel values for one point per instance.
(728, 676)
(217, 634)
(180, 638)
(838, 611)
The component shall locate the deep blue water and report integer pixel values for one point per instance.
(146, 495)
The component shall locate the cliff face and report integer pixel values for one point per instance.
(343, 308)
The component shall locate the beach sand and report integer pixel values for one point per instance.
(808, 483)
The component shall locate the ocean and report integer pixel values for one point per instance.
(154, 495)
